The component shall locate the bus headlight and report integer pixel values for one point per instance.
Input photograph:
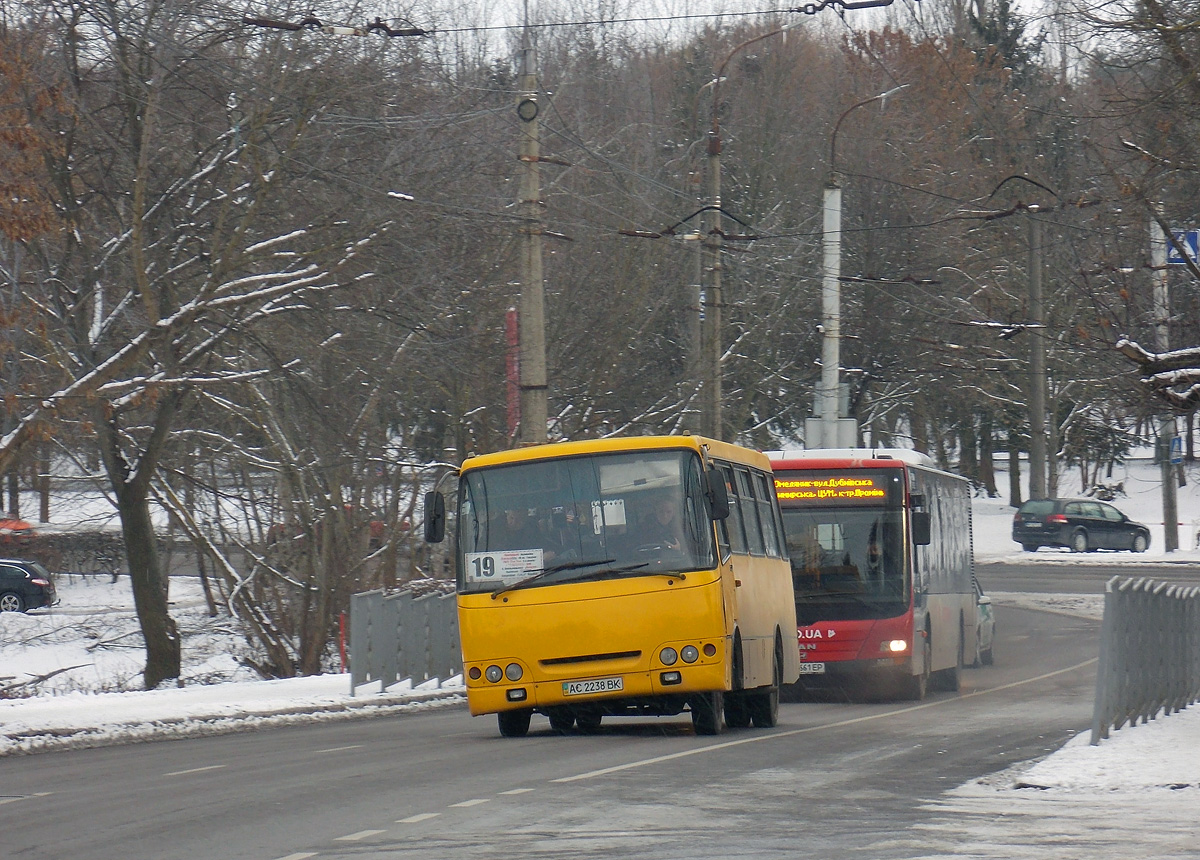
(690, 654)
(668, 656)
(493, 674)
(513, 672)
(895, 646)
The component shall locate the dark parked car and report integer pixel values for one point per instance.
(1082, 525)
(25, 585)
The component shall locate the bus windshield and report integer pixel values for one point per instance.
(546, 522)
(846, 562)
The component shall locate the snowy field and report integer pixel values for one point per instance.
(1134, 795)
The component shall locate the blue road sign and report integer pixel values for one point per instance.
(1190, 239)
(1176, 450)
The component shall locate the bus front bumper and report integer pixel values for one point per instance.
(609, 692)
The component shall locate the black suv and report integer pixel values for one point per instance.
(25, 585)
(1081, 525)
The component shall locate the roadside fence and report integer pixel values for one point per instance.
(1149, 653)
(403, 636)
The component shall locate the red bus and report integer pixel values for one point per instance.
(882, 562)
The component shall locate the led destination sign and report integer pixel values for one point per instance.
(796, 489)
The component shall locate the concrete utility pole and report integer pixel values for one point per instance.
(831, 428)
(1162, 341)
(710, 328)
(1037, 366)
(532, 304)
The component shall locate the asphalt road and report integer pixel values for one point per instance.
(834, 780)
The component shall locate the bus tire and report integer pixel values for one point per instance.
(737, 711)
(589, 721)
(952, 677)
(562, 720)
(514, 724)
(917, 686)
(707, 713)
(737, 704)
(764, 706)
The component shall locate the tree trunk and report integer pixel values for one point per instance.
(1014, 469)
(987, 449)
(163, 649)
(130, 483)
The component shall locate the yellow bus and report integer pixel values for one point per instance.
(622, 577)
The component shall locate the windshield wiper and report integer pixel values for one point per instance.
(554, 568)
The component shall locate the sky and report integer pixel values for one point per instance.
(1135, 794)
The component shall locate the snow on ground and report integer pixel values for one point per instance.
(1138, 788)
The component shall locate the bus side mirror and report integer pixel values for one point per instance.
(435, 517)
(718, 496)
(921, 528)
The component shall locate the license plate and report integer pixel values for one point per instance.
(812, 668)
(595, 685)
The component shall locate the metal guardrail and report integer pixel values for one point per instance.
(1149, 653)
(398, 637)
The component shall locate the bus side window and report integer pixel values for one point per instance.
(737, 536)
(765, 498)
(754, 533)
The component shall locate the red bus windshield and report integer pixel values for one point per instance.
(845, 536)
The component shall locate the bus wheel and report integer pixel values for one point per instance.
(916, 686)
(707, 711)
(588, 721)
(514, 724)
(561, 719)
(764, 706)
(737, 711)
(950, 678)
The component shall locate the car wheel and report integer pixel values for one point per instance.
(1030, 547)
(1079, 541)
(1140, 542)
(11, 602)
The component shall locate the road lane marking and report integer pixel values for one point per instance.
(467, 803)
(362, 834)
(13, 799)
(195, 770)
(420, 816)
(304, 855)
(339, 749)
(518, 790)
(591, 774)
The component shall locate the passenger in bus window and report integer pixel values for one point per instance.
(661, 526)
(521, 532)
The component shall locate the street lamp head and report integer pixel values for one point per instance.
(879, 97)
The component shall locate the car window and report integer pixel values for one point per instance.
(1111, 513)
(1037, 507)
(9, 572)
(1074, 509)
(1092, 509)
